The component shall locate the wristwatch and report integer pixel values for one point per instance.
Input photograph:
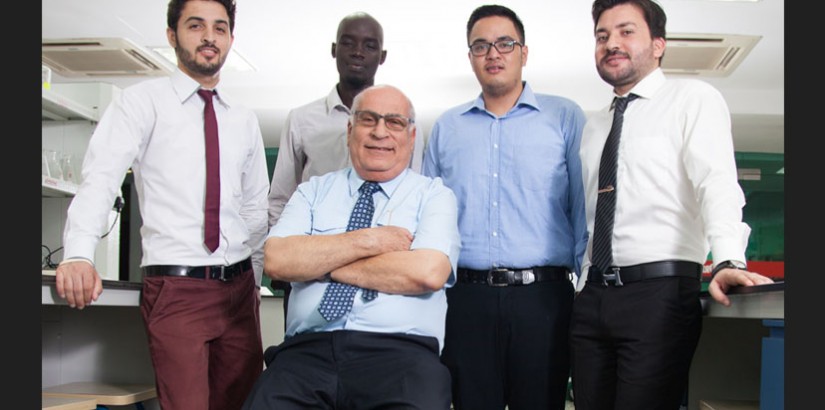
(727, 265)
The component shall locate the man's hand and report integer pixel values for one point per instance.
(726, 278)
(79, 283)
(387, 239)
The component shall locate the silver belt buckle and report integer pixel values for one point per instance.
(615, 277)
(490, 277)
(527, 277)
(222, 278)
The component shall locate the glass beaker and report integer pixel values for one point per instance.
(68, 168)
(52, 164)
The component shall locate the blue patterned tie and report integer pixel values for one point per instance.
(337, 299)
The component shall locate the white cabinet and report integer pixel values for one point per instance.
(70, 114)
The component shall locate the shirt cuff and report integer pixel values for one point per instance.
(76, 259)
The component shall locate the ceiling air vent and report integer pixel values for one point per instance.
(715, 55)
(95, 57)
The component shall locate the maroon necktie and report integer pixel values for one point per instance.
(212, 204)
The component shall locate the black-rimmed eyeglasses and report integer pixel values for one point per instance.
(481, 48)
(394, 122)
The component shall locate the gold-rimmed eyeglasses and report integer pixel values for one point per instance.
(394, 122)
(481, 48)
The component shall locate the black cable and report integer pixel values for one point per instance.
(47, 260)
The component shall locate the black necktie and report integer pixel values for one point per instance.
(337, 299)
(606, 200)
(212, 202)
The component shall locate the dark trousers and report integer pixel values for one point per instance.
(204, 340)
(632, 345)
(508, 345)
(353, 370)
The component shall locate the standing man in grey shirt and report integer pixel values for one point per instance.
(314, 137)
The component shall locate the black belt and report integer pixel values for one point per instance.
(219, 272)
(618, 276)
(512, 277)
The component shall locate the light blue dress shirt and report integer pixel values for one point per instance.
(517, 179)
(422, 205)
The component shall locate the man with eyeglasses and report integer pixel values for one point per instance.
(511, 157)
(313, 139)
(383, 351)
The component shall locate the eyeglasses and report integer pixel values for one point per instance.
(394, 122)
(481, 48)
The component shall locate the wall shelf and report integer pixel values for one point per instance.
(57, 107)
(76, 101)
(57, 188)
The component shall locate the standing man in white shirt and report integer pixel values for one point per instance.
(200, 297)
(636, 322)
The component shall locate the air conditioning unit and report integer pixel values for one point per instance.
(715, 55)
(100, 57)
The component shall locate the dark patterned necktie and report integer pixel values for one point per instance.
(212, 202)
(338, 297)
(606, 200)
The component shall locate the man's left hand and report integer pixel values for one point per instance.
(727, 278)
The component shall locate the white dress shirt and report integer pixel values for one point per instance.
(156, 128)
(677, 191)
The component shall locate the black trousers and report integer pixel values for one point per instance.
(508, 346)
(353, 370)
(632, 345)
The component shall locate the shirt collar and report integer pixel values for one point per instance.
(387, 187)
(185, 87)
(648, 86)
(334, 102)
(527, 98)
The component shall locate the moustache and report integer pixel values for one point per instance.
(612, 53)
(208, 45)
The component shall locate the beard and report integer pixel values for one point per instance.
(625, 76)
(632, 71)
(188, 60)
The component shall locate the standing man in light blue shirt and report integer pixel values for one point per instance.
(384, 353)
(511, 157)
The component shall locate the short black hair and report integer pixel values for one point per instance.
(176, 6)
(655, 16)
(490, 10)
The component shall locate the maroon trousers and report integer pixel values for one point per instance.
(204, 340)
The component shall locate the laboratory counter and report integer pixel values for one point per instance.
(740, 357)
